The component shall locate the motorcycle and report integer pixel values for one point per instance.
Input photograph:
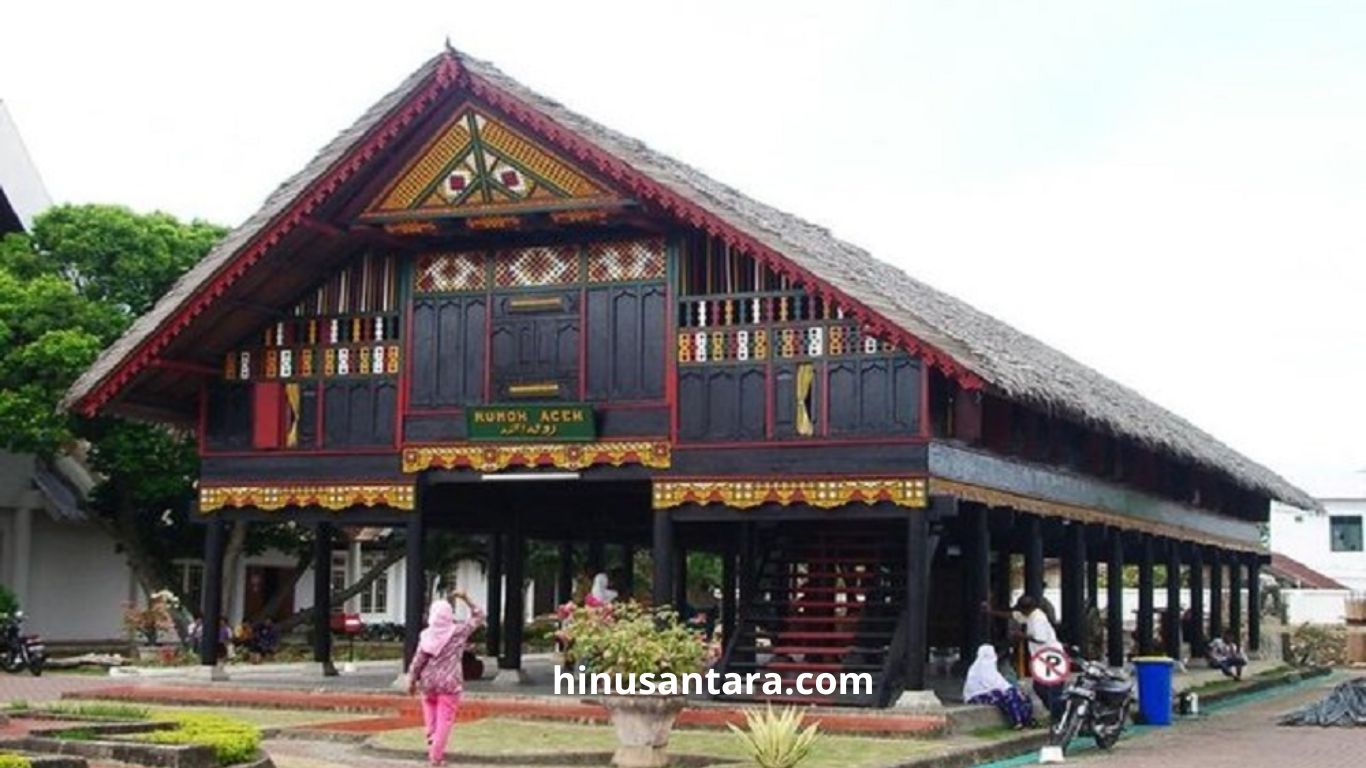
(1098, 700)
(18, 650)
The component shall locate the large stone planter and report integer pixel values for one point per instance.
(643, 724)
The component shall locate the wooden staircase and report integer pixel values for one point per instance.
(824, 600)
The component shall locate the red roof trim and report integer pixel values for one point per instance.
(144, 354)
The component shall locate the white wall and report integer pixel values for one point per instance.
(1303, 536)
(78, 584)
(1316, 606)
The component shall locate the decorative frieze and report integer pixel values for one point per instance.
(331, 497)
(825, 494)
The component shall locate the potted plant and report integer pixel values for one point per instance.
(627, 641)
(148, 622)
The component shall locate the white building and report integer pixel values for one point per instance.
(1330, 542)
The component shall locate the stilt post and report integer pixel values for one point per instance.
(212, 607)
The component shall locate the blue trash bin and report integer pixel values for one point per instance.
(1154, 689)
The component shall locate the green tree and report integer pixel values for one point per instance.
(67, 291)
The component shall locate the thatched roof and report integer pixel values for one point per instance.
(1017, 365)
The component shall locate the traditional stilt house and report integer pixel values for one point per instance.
(478, 310)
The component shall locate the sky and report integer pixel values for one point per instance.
(1171, 192)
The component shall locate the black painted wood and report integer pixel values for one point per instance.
(322, 597)
(1173, 612)
(447, 365)
(211, 609)
(1073, 585)
(874, 396)
(415, 581)
(1114, 608)
(535, 347)
(722, 402)
(1145, 594)
(662, 551)
(1033, 561)
(1254, 603)
(1235, 595)
(359, 413)
(514, 615)
(626, 342)
(1196, 568)
(895, 458)
(493, 598)
(284, 466)
(919, 557)
(977, 573)
(228, 426)
(1216, 594)
(564, 578)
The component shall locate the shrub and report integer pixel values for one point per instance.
(1314, 645)
(11, 760)
(99, 709)
(629, 639)
(775, 739)
(232, 741)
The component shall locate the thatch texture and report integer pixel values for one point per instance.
(1016, 364)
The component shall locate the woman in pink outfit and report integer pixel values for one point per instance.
(436, 670)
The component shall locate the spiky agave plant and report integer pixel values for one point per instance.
(776, 739)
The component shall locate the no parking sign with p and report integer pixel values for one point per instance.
(1049, 666)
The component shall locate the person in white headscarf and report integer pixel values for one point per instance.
(986, 685)
(601, 594)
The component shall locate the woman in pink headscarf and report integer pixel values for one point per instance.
(436, 670)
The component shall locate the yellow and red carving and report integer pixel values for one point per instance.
(825, 494)
(571, 456)
(477, 165)
(330, 497)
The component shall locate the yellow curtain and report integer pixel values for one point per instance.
(806, 376)
(292, 419)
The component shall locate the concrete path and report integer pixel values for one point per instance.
(1242, 736)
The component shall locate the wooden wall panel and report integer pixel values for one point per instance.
(448, 351)
(359, 413)
(626, 342)
(723, 402)
(229, 419)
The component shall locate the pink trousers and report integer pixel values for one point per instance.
(438, 714)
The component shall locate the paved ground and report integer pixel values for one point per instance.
(1242, 736)
(46, 688)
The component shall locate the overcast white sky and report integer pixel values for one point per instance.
(1171, 192)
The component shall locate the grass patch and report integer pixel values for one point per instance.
(992, 732)
(100, 710)
(233, 741)
(509, 738)
(77, 734)
(11, 760)
(18, 705)
(264, 718)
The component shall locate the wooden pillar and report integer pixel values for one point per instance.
(415, 582)
(1114, 599)
(493, 636)
(977, 574)
(1235, 595)
(1074, 584)
(628, 571)
(1145, 594)
(322, 597)
(564, 579)
(514, 614)
(662, 552)
(1254, 603)
(1196, 567)
(1093, 580)
(918, 554)
(1033, 552)
(1173, 599)
(1216, 594)
(211, 610)
(729, 577)
(1000, 592)
(596, 560)
(680, 595)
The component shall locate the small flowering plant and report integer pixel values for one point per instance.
(150, 621)
(629, 639)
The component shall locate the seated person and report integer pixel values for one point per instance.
(1227, 656)
(986, 685)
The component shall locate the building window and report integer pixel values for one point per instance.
(338, 572)
(190, 577)
(1344, 533)
(375, 598)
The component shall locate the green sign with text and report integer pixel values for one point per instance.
(558, 422)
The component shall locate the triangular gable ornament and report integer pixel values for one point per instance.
(477, 165)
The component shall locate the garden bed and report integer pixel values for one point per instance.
(189, 741)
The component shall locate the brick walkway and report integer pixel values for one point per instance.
(1242, 737)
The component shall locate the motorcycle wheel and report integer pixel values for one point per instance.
(35, 667)
(11, 663)
(1067, 728)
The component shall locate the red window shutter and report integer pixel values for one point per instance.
(267, 401)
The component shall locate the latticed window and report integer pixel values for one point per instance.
(375, 598)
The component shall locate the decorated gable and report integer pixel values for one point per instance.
(477, 165)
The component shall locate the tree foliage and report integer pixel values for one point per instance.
(67, 290)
